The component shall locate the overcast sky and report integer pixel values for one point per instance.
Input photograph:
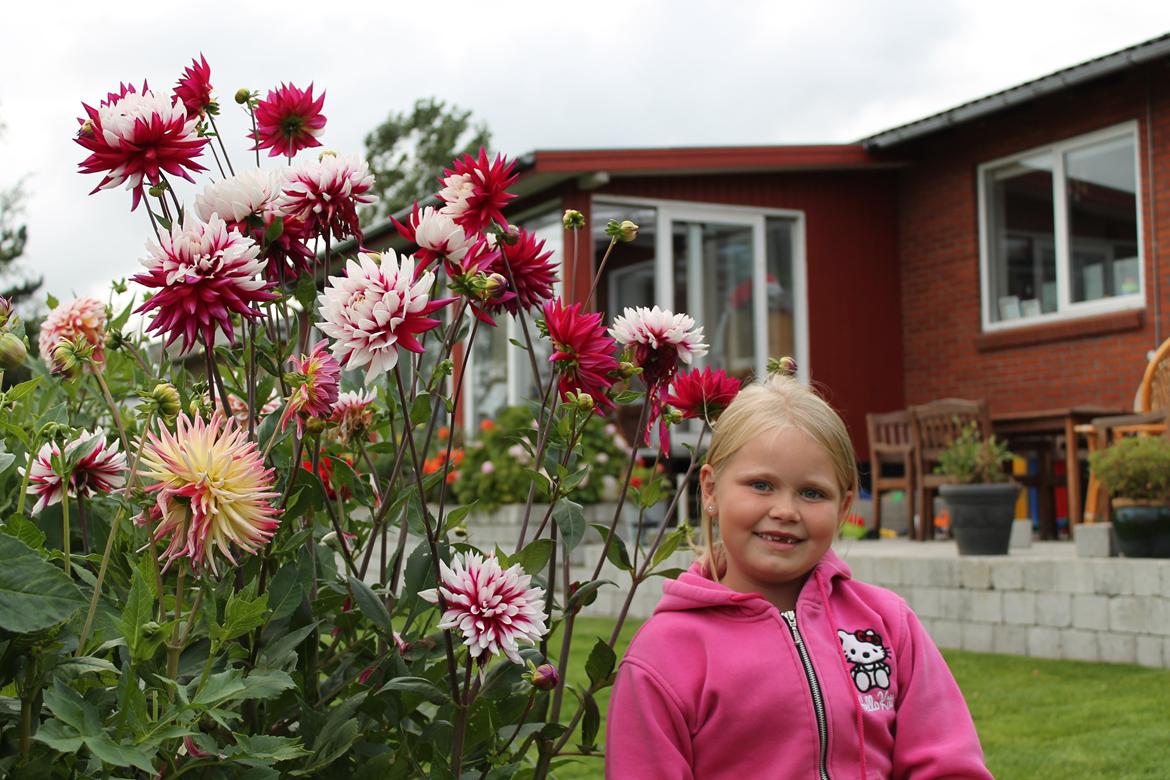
(542, 75)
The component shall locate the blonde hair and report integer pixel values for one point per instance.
(776, 403)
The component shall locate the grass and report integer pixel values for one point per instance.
(1037, 719)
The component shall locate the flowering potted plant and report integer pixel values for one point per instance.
(224, 553)
(1136, 472)
(982, 497)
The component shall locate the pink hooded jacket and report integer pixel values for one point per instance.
(720, 684)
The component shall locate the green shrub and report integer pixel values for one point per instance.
(1137, 467)
(972, 460)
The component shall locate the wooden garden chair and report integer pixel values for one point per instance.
(1151, 408)
(891, 443)
(936, 425)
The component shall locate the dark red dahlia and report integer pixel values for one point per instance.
(194, 89)
(703, 394)
(288, 120)
(530, 271)
(584, 353)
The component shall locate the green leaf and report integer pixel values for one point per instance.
(627, 397)
(456, 515)
(253, 749)
(599, 667)
(132, 712)
(570, 519)
(69, 708)
(23, 389)
(370, 604)
(243, 613)
(119, 755)
(590, 723)
(670, 574)
(615, 548)
(668, 546)
(34, 594)
(306, 291)
(421, 409)
(535, 555)
(51, 301)
(266, 684)
(25, 530)
(285, 592)
(58, 736)
(274, 230)
(585, 594)
(335, 737)
(139, 611)
(280, 651)
(416, 685)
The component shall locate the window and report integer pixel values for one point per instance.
(1060, 230)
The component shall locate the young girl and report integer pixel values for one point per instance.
(766, 660)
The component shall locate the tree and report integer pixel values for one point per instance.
(408, 151)
(13, 237)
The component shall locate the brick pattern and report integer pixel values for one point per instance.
(939, 250)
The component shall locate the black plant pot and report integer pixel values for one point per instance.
(982, 516)
(1142, 531)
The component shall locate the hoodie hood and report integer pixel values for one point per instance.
(694, 590)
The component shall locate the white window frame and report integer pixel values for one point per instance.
(1066, 309)
(668, 211)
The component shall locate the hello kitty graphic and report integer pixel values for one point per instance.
(865, 651)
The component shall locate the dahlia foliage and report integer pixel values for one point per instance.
(260, 447)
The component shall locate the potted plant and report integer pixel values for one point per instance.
(1136, 472)
(982, 497)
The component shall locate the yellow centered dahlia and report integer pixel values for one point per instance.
(212, 489)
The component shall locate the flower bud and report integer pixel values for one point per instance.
(582, 401)
(166, 400)
(12, 350)
(545, 677)
(157, 190)
(573, 219)
(621, 231)
(150, 628)
(494, 284)
(243, 96)
(672, 416)
(70, 355)
(785, 365)
(86, 129)
(510, 235)
(326, 153)
(5, 311)
(314, 425)
(627, 369)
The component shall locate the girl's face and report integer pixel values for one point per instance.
(779, 507)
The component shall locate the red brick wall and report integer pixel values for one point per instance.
(1039, 367)
(851, 256)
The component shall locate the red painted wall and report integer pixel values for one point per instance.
(851, 244)
(1097, 361)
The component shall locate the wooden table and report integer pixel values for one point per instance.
(1048, 424)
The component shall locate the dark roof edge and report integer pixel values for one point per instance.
(1029, 90)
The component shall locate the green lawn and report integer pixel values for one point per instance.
(1036, 718)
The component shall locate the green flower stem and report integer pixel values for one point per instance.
(523, 322)
(32, 454)
(432, 541)
(462, 709)
(600, 270)
(95, 369)
(450, 438)
(174, 646)
(541, 443)
(515, 733)
(226, 159)
(101, 576)
(625, 483)
(332, 512)
(65, 524)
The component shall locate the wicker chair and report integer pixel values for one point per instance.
(936, 425)
(891, 443)
(1151, 410)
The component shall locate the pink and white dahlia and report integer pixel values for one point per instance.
(657, 340)
(239, 409)
(82, 318)
(584, 354)
(94, 466)
(379, 305)
(204, 273)
(352, 414)
(475, 190)
(194, 89)
(316, 378)
(494, 608)
(530, 269)
(249, 203)
(212, 490)
(436, 235)
(288, 120)
(324, 195)
(133, 137)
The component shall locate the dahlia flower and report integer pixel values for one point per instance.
(212, 489)
(82, 318)
(248, 202)
(288, 120)
(436, 235)
(533, 272)
(658, 340)
(95, 466)
(378, 306)
(316, 376)
(132, 137)
(352, 413)
(584, 353)
(194, 89)
(324, 195)
(204, 273)
(703, 394)
(475, 190)
(238, 410)
(493, 607)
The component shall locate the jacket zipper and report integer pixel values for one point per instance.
(814, 686)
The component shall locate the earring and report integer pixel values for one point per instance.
(710, 509)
